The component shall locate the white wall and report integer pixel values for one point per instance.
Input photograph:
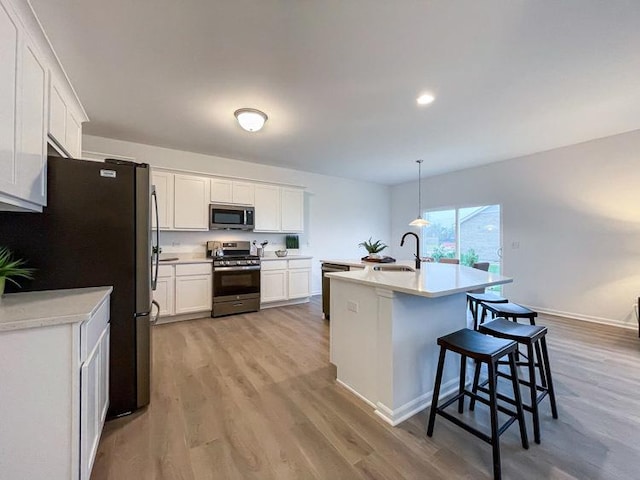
(340, 213)
(575, 212)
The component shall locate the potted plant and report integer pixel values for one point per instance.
(10, 267)
(373, 248)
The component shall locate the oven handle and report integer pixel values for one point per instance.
(232, 269)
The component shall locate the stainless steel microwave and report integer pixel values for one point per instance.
(231, 217)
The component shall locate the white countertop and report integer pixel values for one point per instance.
(267, 257)
(432, 280)
(52, 307)
(184, 258)
(363, 264)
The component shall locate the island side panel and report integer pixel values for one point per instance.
(353, 337)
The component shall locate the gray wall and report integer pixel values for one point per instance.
(571, 224)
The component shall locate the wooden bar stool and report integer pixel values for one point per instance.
(508, 310)
(489, 350)
(530, 336)
(474, 299)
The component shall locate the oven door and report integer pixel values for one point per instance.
(235, 283)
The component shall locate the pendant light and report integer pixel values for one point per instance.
(419, 222)
(250, 119)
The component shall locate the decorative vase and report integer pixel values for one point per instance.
(374, 255)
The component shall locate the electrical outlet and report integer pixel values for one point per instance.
(175, 244)
(352, 306)
(515, 245)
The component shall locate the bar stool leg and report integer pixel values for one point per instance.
(474, 389)
(436, 392)
(550, 391)
(534, 394)
(518, 400)
(540, 365)
(493, 405)
(463, 378)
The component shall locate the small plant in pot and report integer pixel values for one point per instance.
(11, 268)
(374, 248)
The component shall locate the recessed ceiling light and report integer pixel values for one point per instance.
(425, 99)
(250, 119)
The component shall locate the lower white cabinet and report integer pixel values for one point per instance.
(54, 384)
(184, 288)
(282, 280)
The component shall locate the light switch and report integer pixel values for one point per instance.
(352, 306)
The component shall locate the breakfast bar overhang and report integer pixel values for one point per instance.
(384, 327)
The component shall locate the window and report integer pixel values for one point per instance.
(471, 234)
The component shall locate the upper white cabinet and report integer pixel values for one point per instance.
(267, 202)
(163, 183)
(224, 190)
(292, 210)
(32, 105)
(191, 202)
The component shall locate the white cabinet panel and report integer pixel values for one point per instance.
(191, 202)
(193, 293)
(103, 401)
(57, 114)
(221, 190)
(164, 193)
(273, 285)
(8, 86)
(292, 201)
(164, 295)
(243, 193)
(267, 203)
(31, 167)
(73, 136)
(299, 283)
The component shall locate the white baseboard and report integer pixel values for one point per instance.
(585, 318)
(284, 303)
(183, 317)
(364, 399)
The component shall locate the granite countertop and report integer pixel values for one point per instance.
(432, 280)
(52, 307)
(183, 258)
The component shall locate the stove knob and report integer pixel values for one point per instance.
(227, 262)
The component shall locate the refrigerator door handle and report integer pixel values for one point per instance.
(155, 319)
(156, 248)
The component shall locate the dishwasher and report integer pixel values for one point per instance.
(326, 285)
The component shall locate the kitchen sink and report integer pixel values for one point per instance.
(393, 268)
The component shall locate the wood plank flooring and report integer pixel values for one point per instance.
(253, 397)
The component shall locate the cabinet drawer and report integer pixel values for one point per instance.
(274, 265)
(91, 330)
(165, 271)
(302, 263)
(193, 269)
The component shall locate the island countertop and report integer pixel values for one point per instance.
(432, 280)
(52, 307)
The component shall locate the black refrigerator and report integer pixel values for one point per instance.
(96, 231)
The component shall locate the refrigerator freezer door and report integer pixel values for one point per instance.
(143, 239)
(143, 359)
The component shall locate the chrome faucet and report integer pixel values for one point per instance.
(417, 255)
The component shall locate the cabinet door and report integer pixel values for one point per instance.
(273, 285)
(221, 190)
(164, 194)
(243, 193)
(90, 410)
(8, 86)
(32, 149)
(57, 114)
(73, 136)
(292, 200)
(103, 383)
(191, 203)
(193, 293)
(164, 295)
(299, 281)
(267, 204)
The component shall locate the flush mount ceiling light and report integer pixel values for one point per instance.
(419, 222)
(425, 99)
(250, 119)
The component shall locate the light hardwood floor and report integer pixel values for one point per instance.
(253, 397)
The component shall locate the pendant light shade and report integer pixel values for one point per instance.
(250, 119)
(419, 222)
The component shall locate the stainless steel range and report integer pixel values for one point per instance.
(236, 278)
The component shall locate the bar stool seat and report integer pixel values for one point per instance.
(509, 310)
(483, 349)
(475, 299)
(533, 337)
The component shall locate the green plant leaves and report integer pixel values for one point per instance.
(10, 267)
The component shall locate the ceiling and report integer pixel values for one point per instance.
(339, 79)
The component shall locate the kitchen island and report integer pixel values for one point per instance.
(384, 327)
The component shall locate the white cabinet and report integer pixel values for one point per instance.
(191, 202)
(282, 280)
(193, 287)
(22, 117)
(165, 291)
(279, 209)
(163, 182)
(299, 280)
(224, 190)
(267, 203)
(55, 385)
(64, 129)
